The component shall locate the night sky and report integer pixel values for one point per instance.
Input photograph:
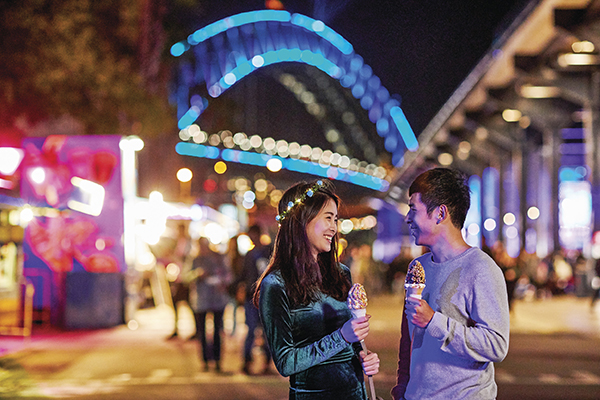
(422, 50)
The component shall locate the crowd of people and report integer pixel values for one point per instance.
(207, 282)
(530, 277)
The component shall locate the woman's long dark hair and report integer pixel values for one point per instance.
(304, 279)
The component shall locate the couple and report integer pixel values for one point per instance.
(444, 353)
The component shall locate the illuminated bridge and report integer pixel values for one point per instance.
(359, 119)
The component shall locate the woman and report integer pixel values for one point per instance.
(209, 295)
(301, 298)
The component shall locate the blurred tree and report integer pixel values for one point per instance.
(97, 61)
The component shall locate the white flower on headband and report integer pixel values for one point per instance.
(308, 193)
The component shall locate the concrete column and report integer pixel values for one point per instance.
(524, 158)
(555, 141)
(592, 138)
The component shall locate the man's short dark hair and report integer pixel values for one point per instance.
(444, 186)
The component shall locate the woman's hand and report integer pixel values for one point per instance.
(370, 362)
(356, 329)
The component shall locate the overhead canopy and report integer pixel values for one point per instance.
(543, 70)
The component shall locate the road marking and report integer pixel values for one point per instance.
(159, 375)
(503, 376)
(121, 378)
(586, 377)
(69, 388)
(549, 378)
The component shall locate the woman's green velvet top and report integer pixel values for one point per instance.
(301, 337)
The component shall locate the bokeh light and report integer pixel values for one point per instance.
(489, 224)
(510, 115)
(445, 159)
(473, 229)
(346, 226)
(220, 167)
(37, 175)
(512, 232)
(261, 185)
(210, 185)
(533, 213)
(10, 158)
(244, 244)
(274, 165)
(509, 218)
(184, 175)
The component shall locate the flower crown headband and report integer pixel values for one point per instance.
(307, 193)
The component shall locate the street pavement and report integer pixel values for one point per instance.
(555, 347)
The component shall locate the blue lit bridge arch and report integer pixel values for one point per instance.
(230, 49)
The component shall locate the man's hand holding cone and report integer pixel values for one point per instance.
(417, 309)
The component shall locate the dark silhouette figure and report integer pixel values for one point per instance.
(180, 290)
(210, 277)
(596, 279)
(255, 262)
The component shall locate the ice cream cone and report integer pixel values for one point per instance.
(414, 290)
(357, 303)
(415, 280)
(357, 299)
(360, 312)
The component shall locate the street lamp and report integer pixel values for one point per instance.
(184, 175)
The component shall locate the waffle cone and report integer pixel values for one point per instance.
(414, 290)
(360, 312)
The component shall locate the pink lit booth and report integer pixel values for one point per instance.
(73, 250)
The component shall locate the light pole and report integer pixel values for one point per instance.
(184, 175)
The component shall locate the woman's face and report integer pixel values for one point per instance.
(322, 229)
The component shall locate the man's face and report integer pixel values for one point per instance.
(422, 226)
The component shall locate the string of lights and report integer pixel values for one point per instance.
(275, 163)
(281, 148)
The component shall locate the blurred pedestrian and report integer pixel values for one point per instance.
(397, 271)
(235, 262)
(485, 247)
(302, 301)
(508, 265)
(364, 269)
(180, 290)
(255, 263)
(210, 277)
(562, 273)
(542, 276)
(596, 284)
(452, 335)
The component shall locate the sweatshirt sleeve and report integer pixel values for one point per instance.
(274, 307)
(484, 335)
(403, 372)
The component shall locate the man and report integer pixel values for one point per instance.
(460, 327)
(255, 262)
